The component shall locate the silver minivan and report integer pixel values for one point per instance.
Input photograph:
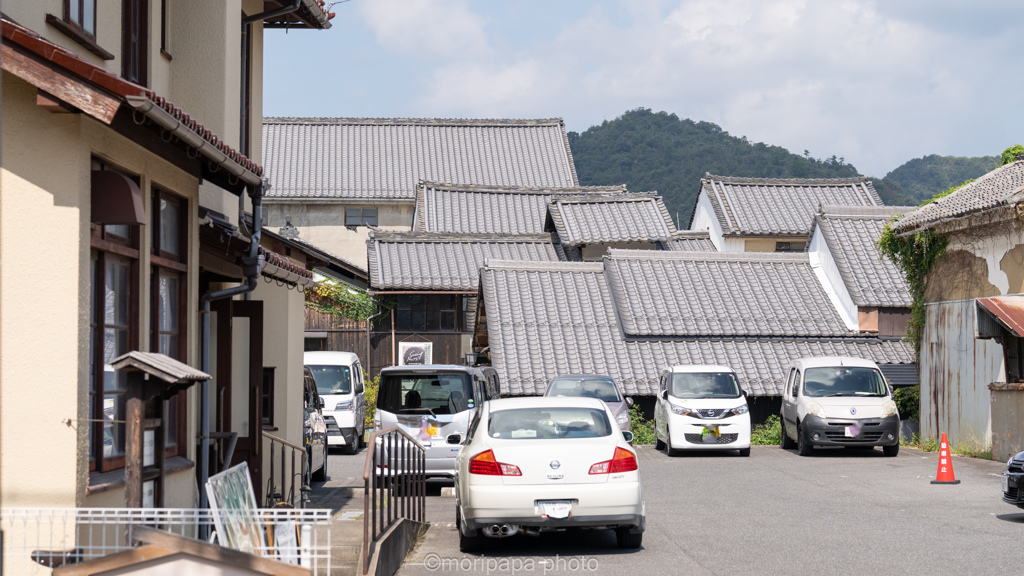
(431, 403)
(339, 380)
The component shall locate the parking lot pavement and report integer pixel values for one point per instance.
(838, 512)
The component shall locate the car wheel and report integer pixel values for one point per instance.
(321, 474)
(891, 450)
(745, 451)
(472, 543)
(625, 539)
(308, 480)
(353, 446)
(658, 444)
(785, 442)
(802, 447)
(669, 450)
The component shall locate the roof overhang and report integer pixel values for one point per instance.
(1006, 311)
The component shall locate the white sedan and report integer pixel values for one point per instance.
(542, 464)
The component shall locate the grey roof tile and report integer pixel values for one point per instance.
(547, 319)
(851, 234)
(384, 158)
(599, 219)
(470, 209)
(719, 294)
(689, 241)
(428, 261)
(1001, 187)
(769, 206)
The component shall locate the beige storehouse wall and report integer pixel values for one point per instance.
(979, 262)
(323, 225)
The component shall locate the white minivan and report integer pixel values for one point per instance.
(701, 407)
(838, 401)
(339, 380)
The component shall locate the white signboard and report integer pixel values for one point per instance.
(412, 353)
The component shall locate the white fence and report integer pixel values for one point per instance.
(38, 539)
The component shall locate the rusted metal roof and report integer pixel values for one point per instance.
(1008, 311)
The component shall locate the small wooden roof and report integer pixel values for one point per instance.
(159, 365)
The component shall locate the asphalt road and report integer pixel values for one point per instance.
(838, 512)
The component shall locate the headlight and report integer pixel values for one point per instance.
(683, 411)
(622, 418)
(349, 405)
(889, 409)
(815, 409)
(737, 411)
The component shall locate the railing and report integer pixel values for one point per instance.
(395, 483)
(275, 492)
(39, 539)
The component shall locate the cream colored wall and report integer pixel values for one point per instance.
(32, 15)
(323, 225)
(180, 492)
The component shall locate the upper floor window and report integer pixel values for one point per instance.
(81, 13)
(427, 312)
(360, 217)
(134, 39)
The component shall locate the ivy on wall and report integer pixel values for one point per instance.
(341, 300)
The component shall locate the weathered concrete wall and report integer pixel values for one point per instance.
(979, 262)
(1007, 420)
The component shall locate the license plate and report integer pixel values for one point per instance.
(555, 508)
(852, 431)
(1006, 483)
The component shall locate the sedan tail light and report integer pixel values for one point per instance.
(485, 464)
(622, 461)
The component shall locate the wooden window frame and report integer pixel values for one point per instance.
(135, 47)
(167, 263)
(165, 29)
(431, 306)
(267, 397)
(75, 27)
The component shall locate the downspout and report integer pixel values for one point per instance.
(251, 268)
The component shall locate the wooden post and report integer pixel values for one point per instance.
(133, 442)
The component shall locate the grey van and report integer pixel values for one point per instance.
(432, 402)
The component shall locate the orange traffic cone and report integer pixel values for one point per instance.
(944, 475)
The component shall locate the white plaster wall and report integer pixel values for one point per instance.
(704, 219)
(824, 266)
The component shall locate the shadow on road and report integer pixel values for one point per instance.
(1012, 518)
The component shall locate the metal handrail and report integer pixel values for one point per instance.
(271, 486)
(405, 494)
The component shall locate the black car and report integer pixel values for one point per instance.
(1013, 480)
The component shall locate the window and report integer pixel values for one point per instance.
(790, 246)
(165, 28)
(168, 318)
(82, 14)
(267, 396)
(360, 217)
(245, 103)
(427, 312)
(134, 36)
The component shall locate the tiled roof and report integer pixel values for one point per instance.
(689, 241)
(768, 206)
(133, 95)
(546, 319)
(428, 261)
(719, 294)
(851, 234)
(469, 209)
(598, 219)
(1003, 186)
(375, 159)
(311, 14)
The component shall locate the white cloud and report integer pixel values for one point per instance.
(426, 28)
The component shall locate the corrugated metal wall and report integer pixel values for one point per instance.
(956, 369)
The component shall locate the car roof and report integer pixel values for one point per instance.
(825, 361)
(699, 368)
(329, 358)
(545, 402)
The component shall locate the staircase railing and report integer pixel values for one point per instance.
(395, 483)
(278, 480)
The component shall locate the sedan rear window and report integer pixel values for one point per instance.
(426, 393)
(549, 423)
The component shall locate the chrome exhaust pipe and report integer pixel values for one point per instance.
(501, 530)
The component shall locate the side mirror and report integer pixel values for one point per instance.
(628, 436)
(629, 401)
(320, 403)
(664, 394)
(454, 439)
(744, 392)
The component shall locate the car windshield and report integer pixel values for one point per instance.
(844, 381)
(332, 379)
(587, 387)
(549, 423)
(437, 393)
(704, 385)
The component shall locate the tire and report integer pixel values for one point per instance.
(669, 450)
(473, 543)
(353, 446)
(321, 474)
(625, 539)
(785, 442)
(658, 444)
(802, 447)
(745, 451)
(891, 450)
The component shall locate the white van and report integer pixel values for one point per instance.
(701, 407)
(838, 401)
(339, 380)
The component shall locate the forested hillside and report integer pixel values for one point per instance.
(648, 150)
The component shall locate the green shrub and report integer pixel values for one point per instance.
(370, 388)
(768, 433)
(643, 429)
(908, 400)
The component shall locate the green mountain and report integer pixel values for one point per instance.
(656, 151)
(921, 178)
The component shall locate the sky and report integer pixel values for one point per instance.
(875, 82)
